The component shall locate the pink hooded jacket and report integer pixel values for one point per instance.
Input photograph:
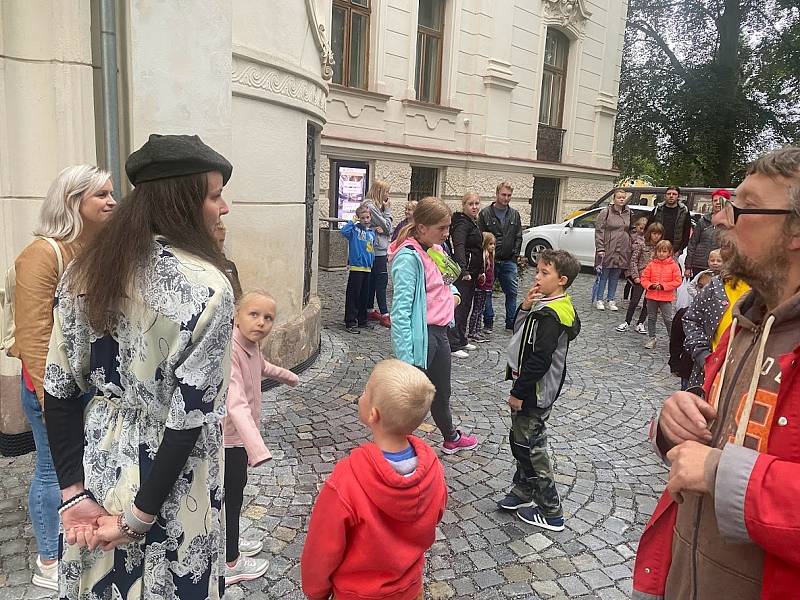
(248, 368)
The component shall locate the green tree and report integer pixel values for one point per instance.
(705, 85)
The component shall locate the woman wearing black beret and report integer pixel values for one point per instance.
(144, 316)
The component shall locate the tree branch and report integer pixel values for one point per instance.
(655, 37)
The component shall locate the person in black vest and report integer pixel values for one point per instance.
(504, 223)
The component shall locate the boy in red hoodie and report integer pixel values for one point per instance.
(376, 514)
(660, 278)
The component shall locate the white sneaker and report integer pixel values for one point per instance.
(612, 306)
(599, 305)
(460, 354)
(622, 327)
(250, 547)
(470, 347)
(245, 569)
(45, 576)
(650, 344)
(640, 328)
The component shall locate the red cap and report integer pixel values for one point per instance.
(721, 192)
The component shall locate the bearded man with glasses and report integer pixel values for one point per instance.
(727, 524)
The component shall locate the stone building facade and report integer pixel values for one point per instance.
(87, 81)
(450, 96)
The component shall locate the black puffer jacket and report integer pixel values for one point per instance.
(467, 243)
(508, 236)
(702, 242)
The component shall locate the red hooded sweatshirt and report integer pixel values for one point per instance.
(371, 526)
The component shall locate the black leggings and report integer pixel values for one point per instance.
(235, 480)
(636, 294)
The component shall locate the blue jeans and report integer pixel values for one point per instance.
(44, 497)
(611, 275)
(505, 271)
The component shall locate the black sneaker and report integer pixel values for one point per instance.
(512, 502)
(366, 326)
(352, 329)
(534, 516)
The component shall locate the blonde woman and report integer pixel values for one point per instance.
(78, 204)
(467, 243)
(381, 223)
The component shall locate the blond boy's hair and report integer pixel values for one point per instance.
(716, 252)
(402, 394)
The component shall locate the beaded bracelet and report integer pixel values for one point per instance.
(128, 532)
(77, 498)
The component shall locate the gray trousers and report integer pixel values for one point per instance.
(438, 371)
(667, 310)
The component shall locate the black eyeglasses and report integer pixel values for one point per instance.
(733, 212)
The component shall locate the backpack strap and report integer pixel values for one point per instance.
(57, 250)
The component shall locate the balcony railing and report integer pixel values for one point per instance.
(549, 143)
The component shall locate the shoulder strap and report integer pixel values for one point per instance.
(60, 258)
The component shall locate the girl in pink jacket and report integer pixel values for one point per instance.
(255, 316)
(660, 278)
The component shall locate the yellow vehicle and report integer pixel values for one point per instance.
(696, 199)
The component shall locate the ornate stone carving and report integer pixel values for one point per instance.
(568, 12)
(321, 40)
(276, 81)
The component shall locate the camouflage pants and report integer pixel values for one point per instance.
(533, 479)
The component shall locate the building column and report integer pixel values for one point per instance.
(499, 79)
(46, 124)
(180, 88)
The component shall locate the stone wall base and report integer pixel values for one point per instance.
(295, 341)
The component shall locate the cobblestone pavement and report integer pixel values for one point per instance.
(607, 475)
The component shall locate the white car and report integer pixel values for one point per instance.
(575, 235)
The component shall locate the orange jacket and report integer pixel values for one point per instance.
(666, 272)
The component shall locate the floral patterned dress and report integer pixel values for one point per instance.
(165, 364)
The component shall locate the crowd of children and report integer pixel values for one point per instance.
(391, 491)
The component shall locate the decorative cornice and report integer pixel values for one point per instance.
(275, 83)
(606, 104)
(499, 75)
(335, 88)
(320, 39)
(569, 13)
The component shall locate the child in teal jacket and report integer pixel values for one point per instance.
(422, 310)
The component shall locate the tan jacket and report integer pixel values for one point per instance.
(37, 278)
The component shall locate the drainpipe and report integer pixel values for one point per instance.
(110, 93)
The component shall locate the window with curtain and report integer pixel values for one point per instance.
(350, 42)
(430, 34)
(554, 78)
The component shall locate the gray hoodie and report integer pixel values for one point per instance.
(383, 219)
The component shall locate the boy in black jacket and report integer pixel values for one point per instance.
(545, 324)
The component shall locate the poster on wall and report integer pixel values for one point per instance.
(351, 188)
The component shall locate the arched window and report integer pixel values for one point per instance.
(554, 78)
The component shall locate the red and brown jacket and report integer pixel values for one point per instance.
(747, 534)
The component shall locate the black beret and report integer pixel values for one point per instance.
(165, 156)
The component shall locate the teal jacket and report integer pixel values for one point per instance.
(409, 309)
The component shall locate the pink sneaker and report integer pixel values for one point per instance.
(464, 442)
